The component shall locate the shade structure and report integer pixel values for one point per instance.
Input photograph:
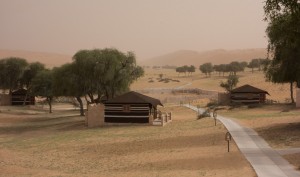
(131, 107)
(248, 94)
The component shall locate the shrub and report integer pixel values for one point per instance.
(212, 103)
(206, 113)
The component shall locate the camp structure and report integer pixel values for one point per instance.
(18, 97)
(131, 107)
(248, 94)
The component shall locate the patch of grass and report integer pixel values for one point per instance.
(294, 159)
(282, 135)
(257, 115)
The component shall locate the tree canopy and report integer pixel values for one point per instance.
(106, 72)
(206, 68)
(230, 83)
(42, 85)
(99, 72)
(11, 72)
(186, 69)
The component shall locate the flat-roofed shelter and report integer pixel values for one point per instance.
(18, 97)
(131, 107)
(248, 94)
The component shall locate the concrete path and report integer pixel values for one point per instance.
(265, 161)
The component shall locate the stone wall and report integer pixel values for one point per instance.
(5, 100)
(94, 117)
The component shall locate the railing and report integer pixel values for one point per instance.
(163, 118)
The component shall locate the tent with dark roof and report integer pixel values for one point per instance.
(18, 97)
(131, 107)
(248, 94)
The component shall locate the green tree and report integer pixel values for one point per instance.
(258, 63)
(183, 69)
(67, 83)
(191, 69)
(11, 71)
(243, 64)
(284, 41)
(275, 8)
(218, 69)
(106, 72)
(231, 82)
(180, 70)
(254, 63)
(206, 68)
(42, 85)
(235, 67)
(29, 73)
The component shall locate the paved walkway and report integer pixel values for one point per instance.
(265, 161)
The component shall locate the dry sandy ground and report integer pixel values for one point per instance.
(278, 92)
(35, 143)
(279, 125)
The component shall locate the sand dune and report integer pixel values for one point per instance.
(220, 56)
(49, 59)
(178, 58)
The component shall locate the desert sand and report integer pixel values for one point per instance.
(35, 143)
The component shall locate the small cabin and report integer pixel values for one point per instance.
(18, 97)
(248, 94)
(131, 107)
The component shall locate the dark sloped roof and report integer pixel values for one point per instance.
(134, 97)
(248, 89)
(20, 92)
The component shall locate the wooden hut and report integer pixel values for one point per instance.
(18, 97)
(248, 94)
(131, 107)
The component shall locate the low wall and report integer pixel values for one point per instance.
(223, 98)
(5, 100)
(94, 117)
(298, 98)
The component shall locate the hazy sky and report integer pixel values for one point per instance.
(147, 27)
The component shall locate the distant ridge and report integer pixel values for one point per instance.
(49, 59)
(219, 56)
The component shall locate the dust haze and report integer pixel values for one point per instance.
(149, 28)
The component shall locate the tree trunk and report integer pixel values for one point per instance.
(292, 92)
(80, 105)
(49, 100)
(87, 102)
(91, 96)
(24, 102)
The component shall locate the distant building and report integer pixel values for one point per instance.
(248, 94)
